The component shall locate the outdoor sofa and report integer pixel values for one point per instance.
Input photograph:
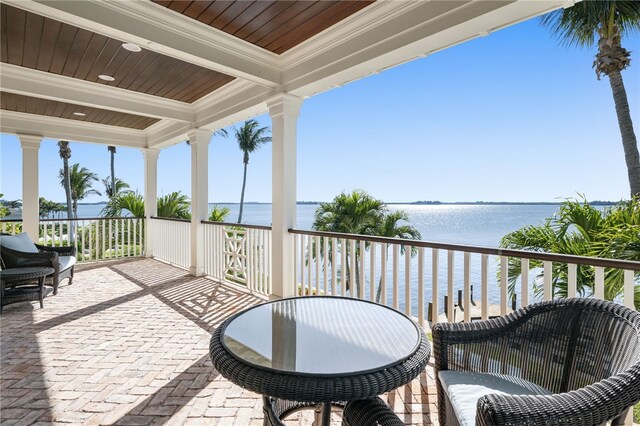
(19, 251)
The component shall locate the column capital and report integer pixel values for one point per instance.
(284, 103)
(30, 141)
(199, 136)
(150, 153)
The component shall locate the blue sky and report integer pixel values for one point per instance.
(512, 116)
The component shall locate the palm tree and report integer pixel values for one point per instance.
(580, 229)
(120, 186)
(219, 214)
(250, 137)
(392, 226)
(609, 20)
(81, 180)
(353, 213)
(65, 154)
(112, 151)
(174, 205)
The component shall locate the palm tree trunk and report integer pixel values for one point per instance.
(67, 190)
(629, 141)
(113, 174)
(244, 184)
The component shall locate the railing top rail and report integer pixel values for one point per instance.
(240, 225)
(525, 254)
(173, 219)
(75, 219)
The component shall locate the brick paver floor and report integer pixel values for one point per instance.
(127, 344)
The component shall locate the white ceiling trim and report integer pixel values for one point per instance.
(416, 33)
(28, 82)
(164, 31)
(60, 128)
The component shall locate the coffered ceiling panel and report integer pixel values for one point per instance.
(273, 25)
(50, 108)
(40, 43)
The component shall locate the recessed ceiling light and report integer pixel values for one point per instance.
(131, 47)
(106, 77)
(80, 114)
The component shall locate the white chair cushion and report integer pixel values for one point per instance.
(66, 262)
(19, 242)
(464, 388)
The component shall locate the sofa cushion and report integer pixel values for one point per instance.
(19, 242)
(66, 262)
(464, 388)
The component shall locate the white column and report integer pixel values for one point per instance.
(30, 197)
(199, 140)
(150, 195)
(284, 110)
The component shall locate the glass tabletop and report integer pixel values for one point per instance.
(321, 336)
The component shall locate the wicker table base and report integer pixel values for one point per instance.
(24, 289)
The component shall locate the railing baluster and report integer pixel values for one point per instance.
(504, 279)
(396, 258)
(334, 266)
(524, 279)
(484, 286)
(572, 273)
(325, 260)
(309, 260)
(343, 269)
(353, 266)
(629, 289)
(362, 269)
(383, 273)
(435, 302)
(317, 263)
(407, 280)
(450, 265)
(372, 272)
(296, 255)
(599, 282)
(547, 295)
(467, 287)
(420, 286)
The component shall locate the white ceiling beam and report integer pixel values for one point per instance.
(28, 82)
(164, 31)
(422, 28)
(80, 131)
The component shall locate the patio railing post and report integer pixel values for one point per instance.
(30, 201)
(199, 141)
(150, 196)
(284, 110)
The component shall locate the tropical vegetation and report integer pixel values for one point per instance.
(112, 155)
(81, 181)
(250, 137)
(47, 208)
(119, 184)
(578, 228)
(174, 205)
(64, 150)
(605, 22)
(358, 212)
(219, 214)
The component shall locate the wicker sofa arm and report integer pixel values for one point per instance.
(592, 405)
(62, 250)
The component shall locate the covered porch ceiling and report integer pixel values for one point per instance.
(208, 64)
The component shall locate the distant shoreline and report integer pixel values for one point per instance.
(428, 203)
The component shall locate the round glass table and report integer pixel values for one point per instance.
(319, 349)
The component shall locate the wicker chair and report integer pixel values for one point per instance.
(575, 362)
(18, 251)
(370, 412)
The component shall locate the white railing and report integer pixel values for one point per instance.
(171, 239)
(414, 276)
(239, 254)
(11, 226)
(98, 238)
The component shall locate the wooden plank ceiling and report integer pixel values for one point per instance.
(32, 41)
(50, 108)
(274, 25)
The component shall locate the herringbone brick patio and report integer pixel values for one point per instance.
(127, 344)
